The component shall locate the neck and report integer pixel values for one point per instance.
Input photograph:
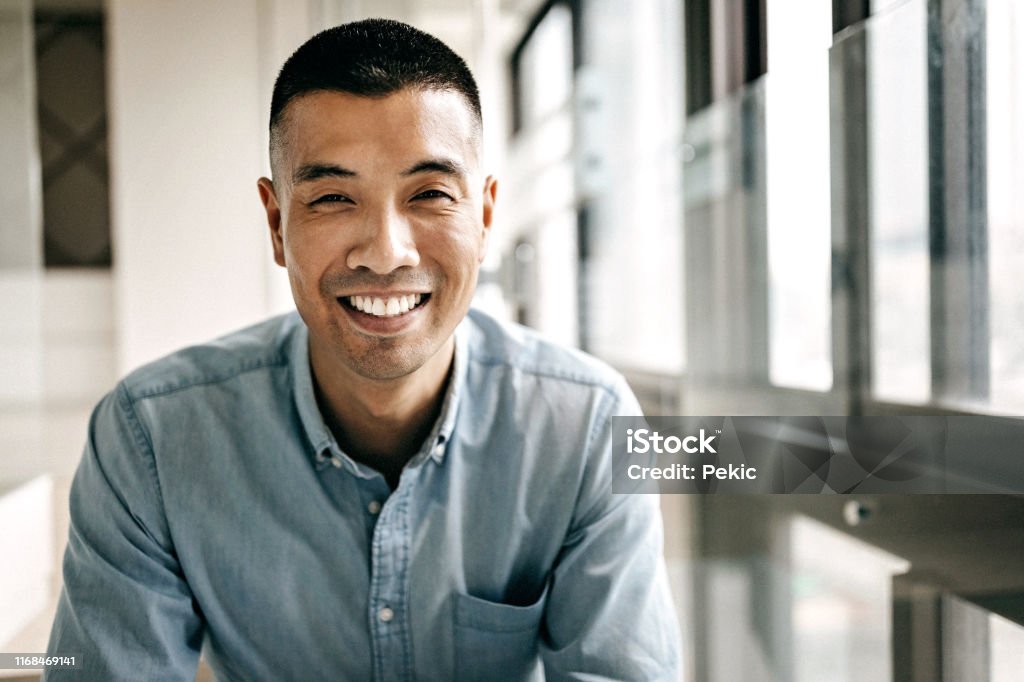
(381, 423)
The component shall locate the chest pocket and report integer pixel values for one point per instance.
(495, 641)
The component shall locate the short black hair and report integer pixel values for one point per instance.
(371, 58)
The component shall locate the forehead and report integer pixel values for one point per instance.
(405, 126)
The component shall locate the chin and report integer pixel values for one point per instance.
(381, 372)
(385, 361)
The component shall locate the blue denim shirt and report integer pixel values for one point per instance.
(212, 505)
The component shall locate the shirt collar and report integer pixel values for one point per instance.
(320, 438)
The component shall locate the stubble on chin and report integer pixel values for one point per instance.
(376, 358)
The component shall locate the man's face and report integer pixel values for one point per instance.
(381, 216)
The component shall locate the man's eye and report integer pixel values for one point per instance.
(433, 194)
(331, 199)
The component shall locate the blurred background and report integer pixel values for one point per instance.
(777, 207)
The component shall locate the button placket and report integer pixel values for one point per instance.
(388, 581)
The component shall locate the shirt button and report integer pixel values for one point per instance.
(373, 507)
(385, 615)
(439, 449)
(336, 462)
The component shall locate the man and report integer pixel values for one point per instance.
(385, 486)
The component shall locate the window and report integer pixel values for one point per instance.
(629, 112)
(798, 194)
(897, 96)
(544, 249)
(70, 83)
(1004, 90)
(543, 65)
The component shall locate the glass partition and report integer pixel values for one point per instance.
(897, 172)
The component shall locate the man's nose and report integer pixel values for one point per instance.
(385, 244)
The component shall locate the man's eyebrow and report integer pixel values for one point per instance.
(446, 166)
(315, 171)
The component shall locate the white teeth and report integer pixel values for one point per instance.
(379, 307)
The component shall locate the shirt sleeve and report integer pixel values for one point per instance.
(126, 611)
(610, 614)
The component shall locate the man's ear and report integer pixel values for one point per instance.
(490, 196)
(269, 198)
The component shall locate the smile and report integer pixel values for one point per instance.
(392, 306)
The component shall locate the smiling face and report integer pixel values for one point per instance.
(380, 214)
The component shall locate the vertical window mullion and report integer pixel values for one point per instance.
(697, 15)
(957, 201)
(851, 296)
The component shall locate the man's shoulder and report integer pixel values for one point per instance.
(261, 346)
(496, 343)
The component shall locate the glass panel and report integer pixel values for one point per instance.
(1005, 123)
(779, 595)
(726, 262)
(898, 188)
(799, 210)
(841, 605)
(736, 649)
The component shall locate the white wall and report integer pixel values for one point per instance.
(20, 210)
(26, 525)
(187, 115)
